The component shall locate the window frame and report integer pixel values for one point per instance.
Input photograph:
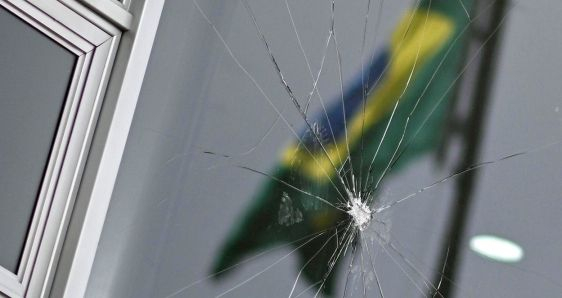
(91, 30)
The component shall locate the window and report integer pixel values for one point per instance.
(56, 60)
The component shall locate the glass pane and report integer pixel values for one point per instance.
(217, 197)
(34, 77)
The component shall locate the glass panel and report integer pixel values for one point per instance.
(34, 77)
(216, 197)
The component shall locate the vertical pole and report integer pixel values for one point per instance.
(487, 31)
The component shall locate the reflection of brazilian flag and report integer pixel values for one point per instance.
(426, 40)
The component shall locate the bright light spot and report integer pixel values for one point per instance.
(496, 248)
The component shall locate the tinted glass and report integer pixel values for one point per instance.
(34, 76)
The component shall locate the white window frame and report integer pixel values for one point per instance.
(75, 192)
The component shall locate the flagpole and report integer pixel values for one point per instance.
(475, 86)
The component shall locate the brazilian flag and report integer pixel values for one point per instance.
(409, 81)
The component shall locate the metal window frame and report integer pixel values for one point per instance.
(75, 192)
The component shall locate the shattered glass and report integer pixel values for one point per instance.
(288, 189)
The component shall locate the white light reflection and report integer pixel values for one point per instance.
(496, 248)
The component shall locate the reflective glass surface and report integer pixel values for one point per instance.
(34, 76)
(345, 149)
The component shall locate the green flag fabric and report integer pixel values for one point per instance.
(340, 156)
